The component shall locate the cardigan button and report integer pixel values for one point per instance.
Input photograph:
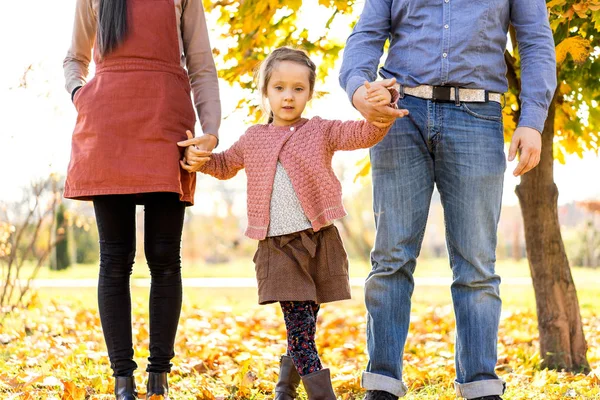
(292, 129)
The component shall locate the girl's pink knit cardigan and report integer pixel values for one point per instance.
(305, 149)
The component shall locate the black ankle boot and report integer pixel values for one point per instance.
(125, 388)
(488, 398)
(379, 395)
(157, 384)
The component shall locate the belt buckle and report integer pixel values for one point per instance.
(441, 93)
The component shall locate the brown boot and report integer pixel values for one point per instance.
(318, 385)
(285, 389)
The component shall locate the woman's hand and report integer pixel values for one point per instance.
(197, 151)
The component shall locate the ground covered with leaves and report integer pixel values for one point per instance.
(56, 351)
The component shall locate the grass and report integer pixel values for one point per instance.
(243, 299)
(436, 267)
(514, 296)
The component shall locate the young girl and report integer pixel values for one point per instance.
(293, 198)
(129, 117)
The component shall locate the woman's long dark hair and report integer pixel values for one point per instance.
(112, 25)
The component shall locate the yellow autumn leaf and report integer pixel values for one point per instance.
(32, 380)
(72, 392)
(555, 3)
(595, 374)
(365, 168)
(559, 155)
(96, 383)
(341, 5)
(578, 47)
(581, 9)
(570, 144)
(565, 88)
(225, 354)
(569, 14)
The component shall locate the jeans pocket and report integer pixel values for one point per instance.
(261, 260)
(489, 111)
(337, 259)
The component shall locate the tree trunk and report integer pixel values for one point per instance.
(562, 343)
(61, 255)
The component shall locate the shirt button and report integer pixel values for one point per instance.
(292, 129)
(446, 26)
(446, 1)
(445, 55)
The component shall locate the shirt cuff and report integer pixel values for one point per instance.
(215, 135)
(74, 84)
(211, 127)
(533, 117)
(352, 86)
(74, 91)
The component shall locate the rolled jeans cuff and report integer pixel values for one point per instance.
(471, 390)
(371, 381)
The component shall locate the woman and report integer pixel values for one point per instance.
(131, 115)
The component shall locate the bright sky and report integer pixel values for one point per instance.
(36, 123)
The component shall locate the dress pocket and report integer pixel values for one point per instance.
(261, 260)
(337, 259)
(80, 92)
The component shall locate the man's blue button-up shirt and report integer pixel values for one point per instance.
(458, 43)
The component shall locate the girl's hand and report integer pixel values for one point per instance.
(378, 95)
(197, 151)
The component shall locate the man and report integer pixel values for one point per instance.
(447, 56)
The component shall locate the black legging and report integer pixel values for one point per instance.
(163, 224)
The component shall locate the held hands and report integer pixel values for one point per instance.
(528, 142)
(373, 99)
(197, 151)
(367, 100)
(378, 95)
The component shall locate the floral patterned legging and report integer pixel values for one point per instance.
(301, 324)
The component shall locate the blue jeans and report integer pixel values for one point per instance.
(460, 149)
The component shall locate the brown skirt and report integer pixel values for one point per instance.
(302, 266)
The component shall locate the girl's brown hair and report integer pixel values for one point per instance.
(278, 55)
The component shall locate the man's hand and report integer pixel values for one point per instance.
(378, 95)
(380, 116)
(528, 143)
(197, 151)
